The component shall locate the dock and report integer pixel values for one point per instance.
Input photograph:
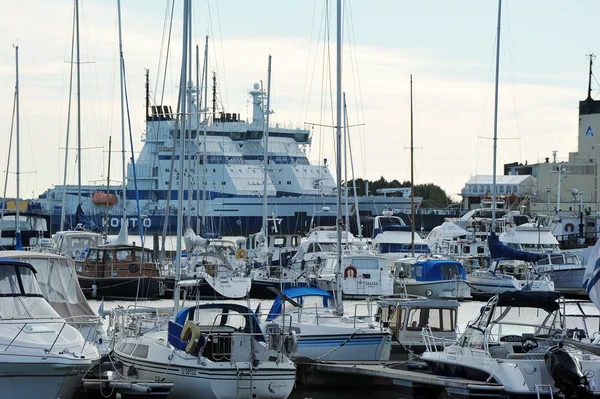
(405, 379)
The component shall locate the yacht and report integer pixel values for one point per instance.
(392, 238)
(432, 277)
(564, 268)
(467, 246)
(363, 275)
(75, 243)
(41, 355)
(213, 350)
(516, 341)
(323, 333)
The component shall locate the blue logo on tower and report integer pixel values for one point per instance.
(589, 132)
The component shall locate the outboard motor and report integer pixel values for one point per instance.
(566, 372)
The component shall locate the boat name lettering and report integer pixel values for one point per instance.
(186, 371)
(165, 148)
(131, 223)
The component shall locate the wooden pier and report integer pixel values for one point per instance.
(404, 379)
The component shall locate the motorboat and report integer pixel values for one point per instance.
(432, 277)
(392, 238)
(517, 342)
(320, 242)
(213, 350)
(58, 283)
(41, 355)
(75, 243)
(364, 275)
(408, 315)
(564, 268)
(120, 271)
(324, 334)
(466, 246)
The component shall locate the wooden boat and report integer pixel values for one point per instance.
(119, 271)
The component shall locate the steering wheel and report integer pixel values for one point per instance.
(528, 344)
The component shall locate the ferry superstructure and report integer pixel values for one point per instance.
(223, 180)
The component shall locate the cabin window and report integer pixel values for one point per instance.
(143, 257)
(141, 351)
(436, 319)
(124, 256)
(570, 259)
(414, 321)
(419, 271)
(556, 259)
(128, 348)
(480, 250)
(365, 263)
(401, 319)
(93, 255)
(467, 249)
(279, 242)
(294, 241)
(543, 261)
(8, 281)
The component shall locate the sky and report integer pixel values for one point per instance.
(447, 46)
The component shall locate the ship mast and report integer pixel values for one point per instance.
(18, 243)
(266, 159)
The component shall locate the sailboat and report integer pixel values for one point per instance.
(213, 350)
(324, 332)
(120, 270)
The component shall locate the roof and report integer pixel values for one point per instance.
(500, 179)
(530, 299)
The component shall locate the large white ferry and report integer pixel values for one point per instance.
(223, 179)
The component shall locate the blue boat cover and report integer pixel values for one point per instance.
(297, 293)
(500, 251)
(439, 270)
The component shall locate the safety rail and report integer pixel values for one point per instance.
(28, 327)
(432, 342)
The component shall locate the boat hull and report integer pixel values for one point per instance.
(47, 377)
(260, 288)
(218, 381)
(122, 287)
(359, 347)
(569, 281)
(449, 289)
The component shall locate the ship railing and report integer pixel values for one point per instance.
(43, 327)
(432, 342)
(136, 320)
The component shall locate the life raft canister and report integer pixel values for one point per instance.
(350, 272)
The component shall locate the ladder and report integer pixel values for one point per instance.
(244, 385)
(539, 388)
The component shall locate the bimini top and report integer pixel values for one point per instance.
(499, 250)
(298, 293)
(439, 270)
(546, 300)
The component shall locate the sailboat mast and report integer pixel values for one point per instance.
(123, 160)
(64, 196)
(18, 139)
(107, 187)
(78, 105)
(493, 226)
(266, 157)
(188, 112)
(198, 112)
(205, 104)
(183, 96)
(412, 176)
(338, 164)
(346, 168)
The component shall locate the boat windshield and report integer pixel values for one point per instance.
(81, 242)
(520, 320)
(390, 221)
(20, 295)
(316, 301)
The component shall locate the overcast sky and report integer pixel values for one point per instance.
(448, 46)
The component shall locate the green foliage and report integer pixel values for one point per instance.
(433, 195)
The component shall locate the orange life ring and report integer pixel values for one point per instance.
(569, 227)
(350, 272)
